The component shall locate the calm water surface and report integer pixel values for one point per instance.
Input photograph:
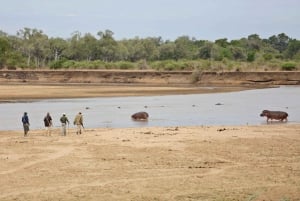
(235, 108)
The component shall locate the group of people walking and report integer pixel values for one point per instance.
(78, 122)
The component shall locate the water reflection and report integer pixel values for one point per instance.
(235, 108)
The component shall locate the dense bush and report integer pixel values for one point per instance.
(267, 56)
(171, 65)
(251, 56)
(288, 66)
(68, 64)
(57, 64)
(125, 65)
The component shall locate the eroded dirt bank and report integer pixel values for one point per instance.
(150, 77)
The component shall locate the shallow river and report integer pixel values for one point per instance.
(235, 108)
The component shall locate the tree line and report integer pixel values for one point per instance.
(32, 48)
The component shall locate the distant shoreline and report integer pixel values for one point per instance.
(24, 85)
(29, 92)
(151, 78)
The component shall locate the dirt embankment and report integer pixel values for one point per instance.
(150, 77)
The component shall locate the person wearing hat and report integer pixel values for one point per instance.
(25, 121)
(78, 121)
(64, 120)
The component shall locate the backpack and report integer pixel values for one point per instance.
(24, 120)
(63, 119)
(47, 121)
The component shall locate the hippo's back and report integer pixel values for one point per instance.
(140, 116)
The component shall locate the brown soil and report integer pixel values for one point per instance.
(184, 163)
(160, 78)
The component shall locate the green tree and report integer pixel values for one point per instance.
(121, 53)
(57, 46)
(75, 47)
(9, 55)
(151, 48)
(254, 42)
(26, 36)
(293, 49)
(167, 50)
(89, 47)
(237, 53)
(34, 45)
(279, 42)
(107, 46)
(222, 42)
(210, 51)
(205, 52)
(251, 56)
(41, 49)
(136, 50)
(184, 48)
(4, 50)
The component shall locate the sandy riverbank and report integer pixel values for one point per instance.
(184, 163)
(18, 92)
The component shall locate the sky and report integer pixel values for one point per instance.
(169, 19)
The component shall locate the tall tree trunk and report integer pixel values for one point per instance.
(56, 55)
(28, 59)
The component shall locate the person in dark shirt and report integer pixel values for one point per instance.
(64, 120)
(48, 123)
(25, 121)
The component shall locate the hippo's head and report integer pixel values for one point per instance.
(264, 113)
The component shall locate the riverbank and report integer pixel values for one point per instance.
(23, 92)
(167, 163)
(151, 78)
(47, 84)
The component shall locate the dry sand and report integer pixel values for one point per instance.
(12, 92)
(184, 163)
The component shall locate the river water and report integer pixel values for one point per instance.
(234, 108)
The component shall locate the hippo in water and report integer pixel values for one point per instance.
(140, 116)
(277, 115)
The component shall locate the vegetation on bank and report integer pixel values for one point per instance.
(31, 48)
